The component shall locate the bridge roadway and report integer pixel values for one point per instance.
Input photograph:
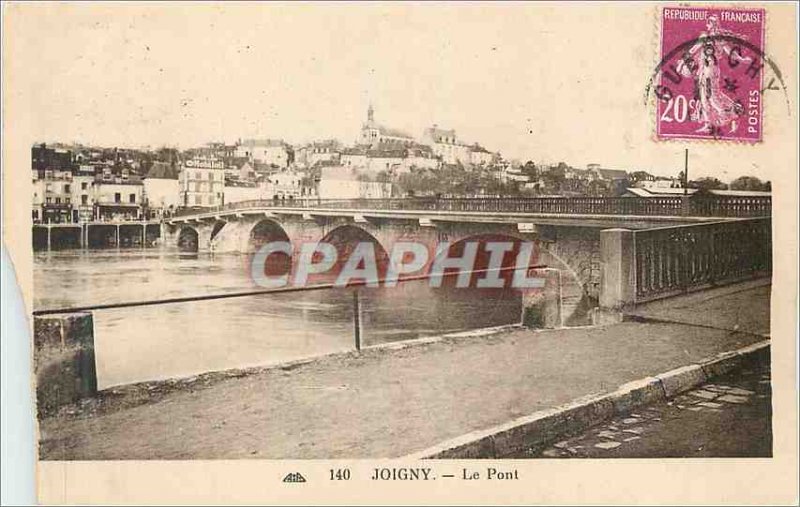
(427, 217)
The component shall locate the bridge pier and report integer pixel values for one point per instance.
(618, 279)
(542, 309)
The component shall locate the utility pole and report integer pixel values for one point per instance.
(686, 172)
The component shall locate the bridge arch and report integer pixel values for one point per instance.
(570, 256)
(267, 231)
(483, 253)
(188, 239)
(264, 231)
(345, 238)
(578, 294)
(217, 228)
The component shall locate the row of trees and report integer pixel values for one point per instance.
(455, 180)
(741, 183)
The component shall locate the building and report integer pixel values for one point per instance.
(118, 201)
(607, 174)
(354, 158)
(44, 158)
(201, 182)
(161, 190)
(642, 176)
(659, 182)
(394, 160)
(512, 173)
(480, 156)
(375, 135)
(342, 183)
(320, 152)
(265, 151)
(386, 160)
(421, 156)
(52, 197)
(285, 185)
(445, 145)
(83, 197)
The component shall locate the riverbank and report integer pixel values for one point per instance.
(388, 402)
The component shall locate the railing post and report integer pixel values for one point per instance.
(685, 206)
(618, 275)
(357, 318)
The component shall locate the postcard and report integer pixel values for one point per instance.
(406, 253)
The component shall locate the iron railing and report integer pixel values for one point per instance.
(710, 206)
(674, 260)
(730, 206)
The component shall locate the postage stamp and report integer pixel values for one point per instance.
(711, 75)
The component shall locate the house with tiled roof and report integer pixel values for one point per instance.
(446, 146)
(273, 152)
(607, 174)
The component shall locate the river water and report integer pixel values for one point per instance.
(184, 339)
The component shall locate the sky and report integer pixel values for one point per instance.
(540, 82)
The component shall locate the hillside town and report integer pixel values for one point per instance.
(75, 183)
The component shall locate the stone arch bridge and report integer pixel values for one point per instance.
(569, 242)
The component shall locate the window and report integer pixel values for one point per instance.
(49, 200)
(197, 186)
(210, 176)
(66, 188)
(84, 199)
(58, 200)
(66, 200)
(117, 197)
(132, 198)
(84, 185)
(36, 214)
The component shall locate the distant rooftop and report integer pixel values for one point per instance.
(262, 142)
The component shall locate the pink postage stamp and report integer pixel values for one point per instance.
(710, 78)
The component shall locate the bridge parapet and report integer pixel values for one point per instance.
(644, 265)
(676, 206)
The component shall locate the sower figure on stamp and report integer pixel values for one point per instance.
(716, 109)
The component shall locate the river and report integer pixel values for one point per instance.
(184, 339)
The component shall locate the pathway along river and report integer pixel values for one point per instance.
(184, 339)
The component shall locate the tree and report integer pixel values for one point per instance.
(708, 183)
(554, 178)
(750, 183)
(530, 170)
